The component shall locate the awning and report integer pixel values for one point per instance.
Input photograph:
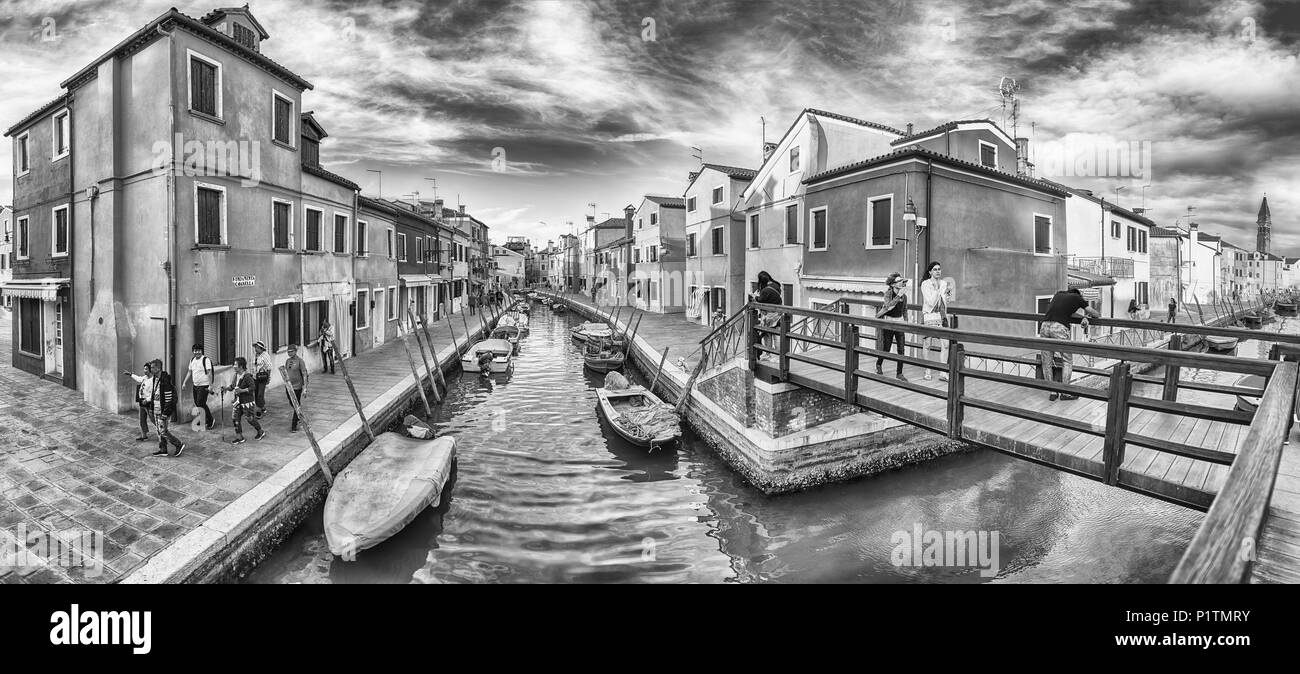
(414, 280)
(861, 288)
(44, 289)
(1083, 279)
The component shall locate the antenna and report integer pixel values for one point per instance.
(698, 154)
(763, 122)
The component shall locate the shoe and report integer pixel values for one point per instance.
(180, 450)
(260, 435)
(1054, 396)
(878, 369)
(161, 452)
(1069, 396)
(293, 430)
(928, 377)
(238, 441)
(900, 377)
(943, 376)
(142, 438)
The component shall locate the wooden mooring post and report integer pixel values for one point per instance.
(433, 382)
(410, 358)
(306, 426)
(352, 389)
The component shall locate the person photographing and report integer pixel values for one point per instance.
(894, 308)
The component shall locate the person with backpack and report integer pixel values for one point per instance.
(261, 376)
(244, 388)
(162, 405)
(767, 292)
(202, 372)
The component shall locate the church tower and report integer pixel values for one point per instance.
(1264, 222)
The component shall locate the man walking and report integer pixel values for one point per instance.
(201, 371)
(1058, 365)
(244, 387)
(297, 371)
(143, 393)
(162, 405)
(261, 376)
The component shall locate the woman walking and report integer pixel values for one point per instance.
(261, 376)
(244, 388)
(936, 293)
(893, 309)
(326, 347)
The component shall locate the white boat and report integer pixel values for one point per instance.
(500, 350)
(508, 332)
(588, 330)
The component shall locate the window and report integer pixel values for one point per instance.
(29, 326)
(794, 159)
(1142, 293)
(401, 247)
(392, 303)
(363, 308)
(281, 118)
(690, 245)
(787, 294)
(792, 223)
(245, 36)
(640, 222)
(1142, 241)
(690, 204)
(314, 216)
(215, 330)
(340, 233)
(392, 249)
(284, 324)
(880, 222)
(636, 255)
(654, 218)
(59, 235)
(753, 231)
(654, 254)
(819, 228)
(310, 152)
(21, 239)
(281, 224)
(22, 154)
(719, 244)
(363, 248)
(988, 154)
(717, 195)
(1114, 229)
(1132, 239)
(1042, 234)
(312, 314)
(654, 291)
(205, 85)
(59, 139)
(209, 215)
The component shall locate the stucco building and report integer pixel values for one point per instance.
(715, 241)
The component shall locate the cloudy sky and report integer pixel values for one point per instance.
(601, 101)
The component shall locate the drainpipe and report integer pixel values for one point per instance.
(171, 232)
(356, 227)
(929, 226)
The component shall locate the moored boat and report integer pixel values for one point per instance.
(383, 489)
(507, 331)
(1252, 321)
(559, 308)
(603, 360)
(1285, 308)
(638, 416)
(1221, 344)
(490, 355)
(589, 330)
(1249, 403)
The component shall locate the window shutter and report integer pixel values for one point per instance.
(227, 338)
(198, 330)
(295, 336)
(880, 222)
(276, 312)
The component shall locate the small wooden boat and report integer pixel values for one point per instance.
(603, 361)
(589, 330)
(1252, 321)
(383, 489)
(1247, 403)
(1285, 308)
(490, 355)
(559, 308)
(639, 417)
(507, 331)
(1221, 344)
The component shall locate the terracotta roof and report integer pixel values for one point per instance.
(946, 126)
(853, 120)
(217, 14)
(333, 177)
(147, 33)
(612, 223)
(1165, 233)
(1035, 183)
(666, 202)
(48, 107)
(1086, 194)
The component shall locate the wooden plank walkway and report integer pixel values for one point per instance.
(1278, 552)
(1189, 482)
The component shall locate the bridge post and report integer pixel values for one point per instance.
(1170, 391)
(750, 338)
(1117, 411)
(783, 344)
(956, 388)
(849, 332)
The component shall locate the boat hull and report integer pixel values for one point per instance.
(603, 365)
(383, 489)
(607, 400)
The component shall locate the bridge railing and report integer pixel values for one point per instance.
(1222, 550)
(769, 334)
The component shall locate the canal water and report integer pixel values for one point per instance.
(544, 492)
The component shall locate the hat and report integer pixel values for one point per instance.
(259, 345)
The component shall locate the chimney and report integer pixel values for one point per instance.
(691, 175)
(1022, 156)
(628, 212)
(909, 128)
(1194, 233)
(768, 149)
(462, 210)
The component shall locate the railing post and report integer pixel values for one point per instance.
(751, 337)
(956, 388)
(1112, 453)
(849, 333)
(1170, 391)
(783, 343)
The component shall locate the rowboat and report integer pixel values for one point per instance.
(490, 355)
(589, 330)
(559, 308)
(508, 332)
(603, 361)
(639, 417)
(1252, 321)
(1285, 308)
(383, 489)
(1221, 344)
(1247, 403)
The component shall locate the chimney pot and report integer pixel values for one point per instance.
(691, 175)
(909, 128)
(768, 149)
(462, 210)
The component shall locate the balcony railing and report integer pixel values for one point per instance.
(1116, 267)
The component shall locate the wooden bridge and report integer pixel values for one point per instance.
(1126, 427)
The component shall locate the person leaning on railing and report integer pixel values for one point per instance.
(1057, 365)
(768, 292)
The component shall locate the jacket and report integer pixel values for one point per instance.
(164, 394)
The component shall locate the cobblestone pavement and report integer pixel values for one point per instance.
(66, 466)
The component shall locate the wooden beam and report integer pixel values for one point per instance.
(1116, 421)
(1170, 389)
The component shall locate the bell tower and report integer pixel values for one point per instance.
(1264, 223)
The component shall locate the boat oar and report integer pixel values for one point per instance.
(661, 368)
